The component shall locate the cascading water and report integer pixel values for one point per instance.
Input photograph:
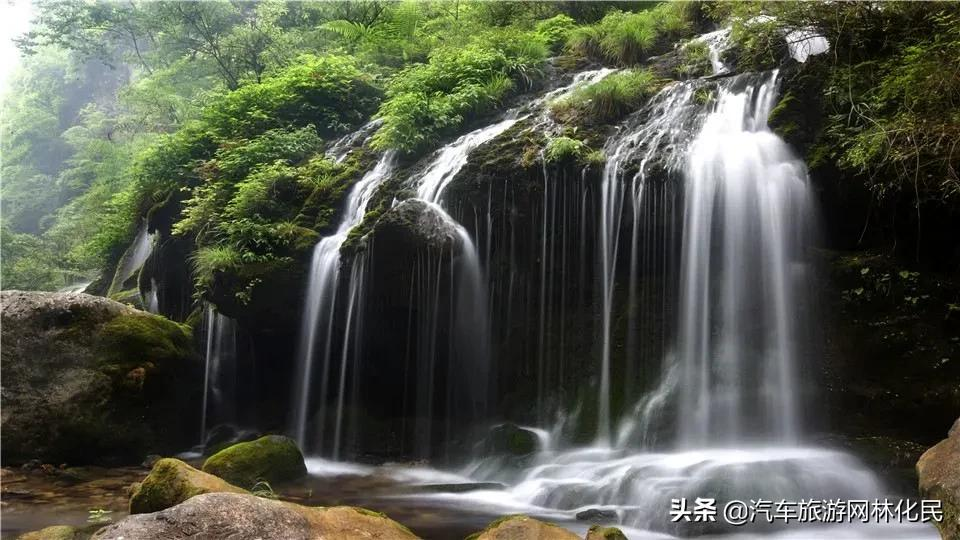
(747, 211)
(134, 257)
(321, 305)
(746, 217)
(220, 371)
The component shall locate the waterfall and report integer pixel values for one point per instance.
(220, 371)
(747, 211)
(320, 306)
(661, 134)
(133, 259)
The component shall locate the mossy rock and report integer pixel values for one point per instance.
(91, 381)
(171, 482)
(273, 458)
(605, 533)
(512, 440)
(522, 527)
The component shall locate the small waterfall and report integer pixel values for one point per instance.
(747, 212)
(320, 306)
(133, 259)
(220, 371)
(662, 134)
(151, 300)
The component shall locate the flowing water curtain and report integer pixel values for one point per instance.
(318, 336)
(747, 211)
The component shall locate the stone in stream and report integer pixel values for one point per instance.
(939, 472)
(87, 380)
(605, 533)
(595, 514)
(170, 483)
(221, 516)
(273, 458)
(522, 528)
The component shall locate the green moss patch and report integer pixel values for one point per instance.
(273, 458)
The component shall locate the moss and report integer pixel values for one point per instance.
(130, 340)
(597, 532)
(130, 296)
(273, 458)
(171, 482)
(494, 524)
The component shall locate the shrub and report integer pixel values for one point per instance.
(608, 99)
(561, 149)
(329, 92)
(694, 59)
(426, 101)
(208, 260)
(629, 38)
(556, 30)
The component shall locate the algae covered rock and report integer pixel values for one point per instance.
(171, 482)
(273, 458)
(90, 380)
(216, 516)
(522, 528)
(939, 472)
(605, 533)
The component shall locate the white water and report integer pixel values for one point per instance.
(320, 306)
(219, 380)
(133, 259)
(748, 211)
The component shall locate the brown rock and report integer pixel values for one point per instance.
(523, 528)
(939, 472)
(216, 516)
(171, 482)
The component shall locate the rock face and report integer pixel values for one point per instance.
(215, 516)
(170, 483)
(523, 528)
(273, 458)
(939, 472)
(89, 380)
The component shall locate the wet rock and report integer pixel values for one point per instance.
(215, 516)
(596, 514)
(415, 224)
(522, 528)
(605, 533)
(89, 380)
(462, 488)
(512, 440)
(223, 435)
(939, 472)
(170, 483)
(273, 458)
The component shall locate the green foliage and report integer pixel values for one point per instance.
(208, 260)
(426, 101)
(608, 99)
(625, 38)
(758, 43)
(562, 149)
(99, 516)
(556, 30)
(329, 92)
(694, 59)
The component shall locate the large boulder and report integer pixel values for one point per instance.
(90, 380)
(273, 458)
(215, 516)
(171, 482)
(939, 472)
(522, 528)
